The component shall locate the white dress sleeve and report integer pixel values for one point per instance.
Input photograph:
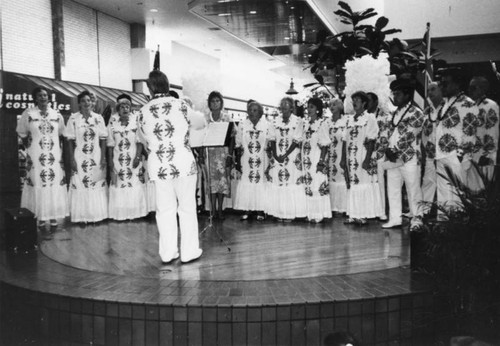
(371, 128)
(298, 134)
(110, 140)
(70, 131)
(23, 125)
(323, 134)
(101, 127)
(239, 135)
(61, 124)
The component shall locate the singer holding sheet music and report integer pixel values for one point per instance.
(164, 124)
(218, 159)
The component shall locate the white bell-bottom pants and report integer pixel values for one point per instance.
(409, 173)
(177, 196)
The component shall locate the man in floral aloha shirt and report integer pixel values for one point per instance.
(405, 128)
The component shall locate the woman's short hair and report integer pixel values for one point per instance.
(158, 82)
(215, 94)
(362, 96)
(37, 90)
(121, 104)
(318, 103)
(373, 96)
(82, 95)
(337, 101)
(290, 101)
(261, 109)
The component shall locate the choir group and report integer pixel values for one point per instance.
(288, 167)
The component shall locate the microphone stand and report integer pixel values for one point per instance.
(211, 225)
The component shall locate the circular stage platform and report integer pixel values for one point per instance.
(256, 283)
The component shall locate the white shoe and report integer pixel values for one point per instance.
(176, 256)
(382, 218)
(416, 223)
(392, 223)
(192, 258)
(407, 215)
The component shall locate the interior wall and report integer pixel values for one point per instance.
(80, 44)
(447, 17)
(114, 52)
(27, 37)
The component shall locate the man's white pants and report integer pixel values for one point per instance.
(381, 181)
(446, 192)
(409, 173)
(177, 196)
(429, 182)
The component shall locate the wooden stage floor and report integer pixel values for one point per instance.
(281, 284)
(258, 250)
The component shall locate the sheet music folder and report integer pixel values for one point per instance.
(216, 134)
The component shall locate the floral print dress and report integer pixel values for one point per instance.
(286, 191)
(314, 137)
(251, 191)
(44, 190)
(219, 177)
(363, 196)
(88, 189)
(127, 198)
(338, 187)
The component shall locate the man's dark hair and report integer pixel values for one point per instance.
(362, 96)
(373, 96)
(158, 82)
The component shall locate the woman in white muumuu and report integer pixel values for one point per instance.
(127, 191)
(363, 196)
(315, 142)
(338, 187)
(286, 199)
(251, 139)
(88, 191)
(44, 191)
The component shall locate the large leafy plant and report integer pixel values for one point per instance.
(332, 51)
(462, 253)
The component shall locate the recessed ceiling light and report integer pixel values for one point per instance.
(292, 7)
(224, 14)
(154, 10)
(287, 38)
(253, 12)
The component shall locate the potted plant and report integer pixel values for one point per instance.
(461, 253)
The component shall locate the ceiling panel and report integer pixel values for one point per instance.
(282, 29)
